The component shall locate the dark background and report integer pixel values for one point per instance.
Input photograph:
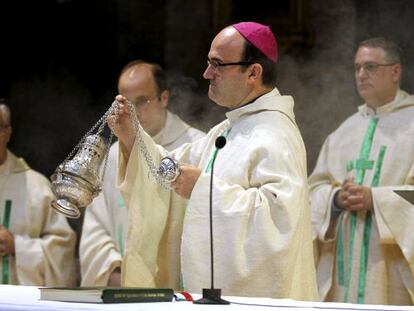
(60, 60)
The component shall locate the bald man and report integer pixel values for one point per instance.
(262, 226)
(102, 243)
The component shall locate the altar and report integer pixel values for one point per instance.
(27, 298)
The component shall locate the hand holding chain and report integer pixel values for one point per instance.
(168, 169)
(78, 179)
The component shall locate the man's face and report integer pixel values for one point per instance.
(228, 84)
(138, 85)
(377, 79)
(5, 133)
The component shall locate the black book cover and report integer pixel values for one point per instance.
(106, 294)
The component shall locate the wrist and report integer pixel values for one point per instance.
(125, 150)
(335, 203)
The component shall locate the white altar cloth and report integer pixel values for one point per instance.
(27, 298)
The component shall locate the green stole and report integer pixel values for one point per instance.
(360, 165)
(5, 278)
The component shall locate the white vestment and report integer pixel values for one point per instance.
(102, 241)
(261, 215)
(44, 242)
(384, 246)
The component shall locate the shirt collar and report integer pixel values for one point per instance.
(173, 129)
(389, 107)
(5, 167)
(272, 101)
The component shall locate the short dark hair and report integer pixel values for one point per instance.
(252, 54)
(159, 74)
(393, 52)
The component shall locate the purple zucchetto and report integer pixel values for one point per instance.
(260, 36)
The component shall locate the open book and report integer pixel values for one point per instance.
(106, 294)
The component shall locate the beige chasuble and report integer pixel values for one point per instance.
(44, 242)
(262, 227)
(102, 243)
(367, 257)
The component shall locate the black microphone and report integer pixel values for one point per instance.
(220, 142)
(212, 296)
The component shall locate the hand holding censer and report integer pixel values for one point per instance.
(78, 179)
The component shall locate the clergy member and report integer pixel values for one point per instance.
(36, 243)
(102, 243)
(261, 215)
(362, 227)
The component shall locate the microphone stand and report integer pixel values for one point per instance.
(212, 296)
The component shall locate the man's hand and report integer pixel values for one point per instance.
(353, 197)
(6, 242)
(121, 124)
(115, 278)
(185, 182)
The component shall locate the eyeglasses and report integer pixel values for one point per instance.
(216, 64)
(370, 67)
(142, 101)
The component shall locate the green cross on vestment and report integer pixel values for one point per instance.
(363, 163)
(360, 165)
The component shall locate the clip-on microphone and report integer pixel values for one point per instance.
(212, 296)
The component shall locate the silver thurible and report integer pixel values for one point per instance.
(76, 182)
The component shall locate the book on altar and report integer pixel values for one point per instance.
(106, 294)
